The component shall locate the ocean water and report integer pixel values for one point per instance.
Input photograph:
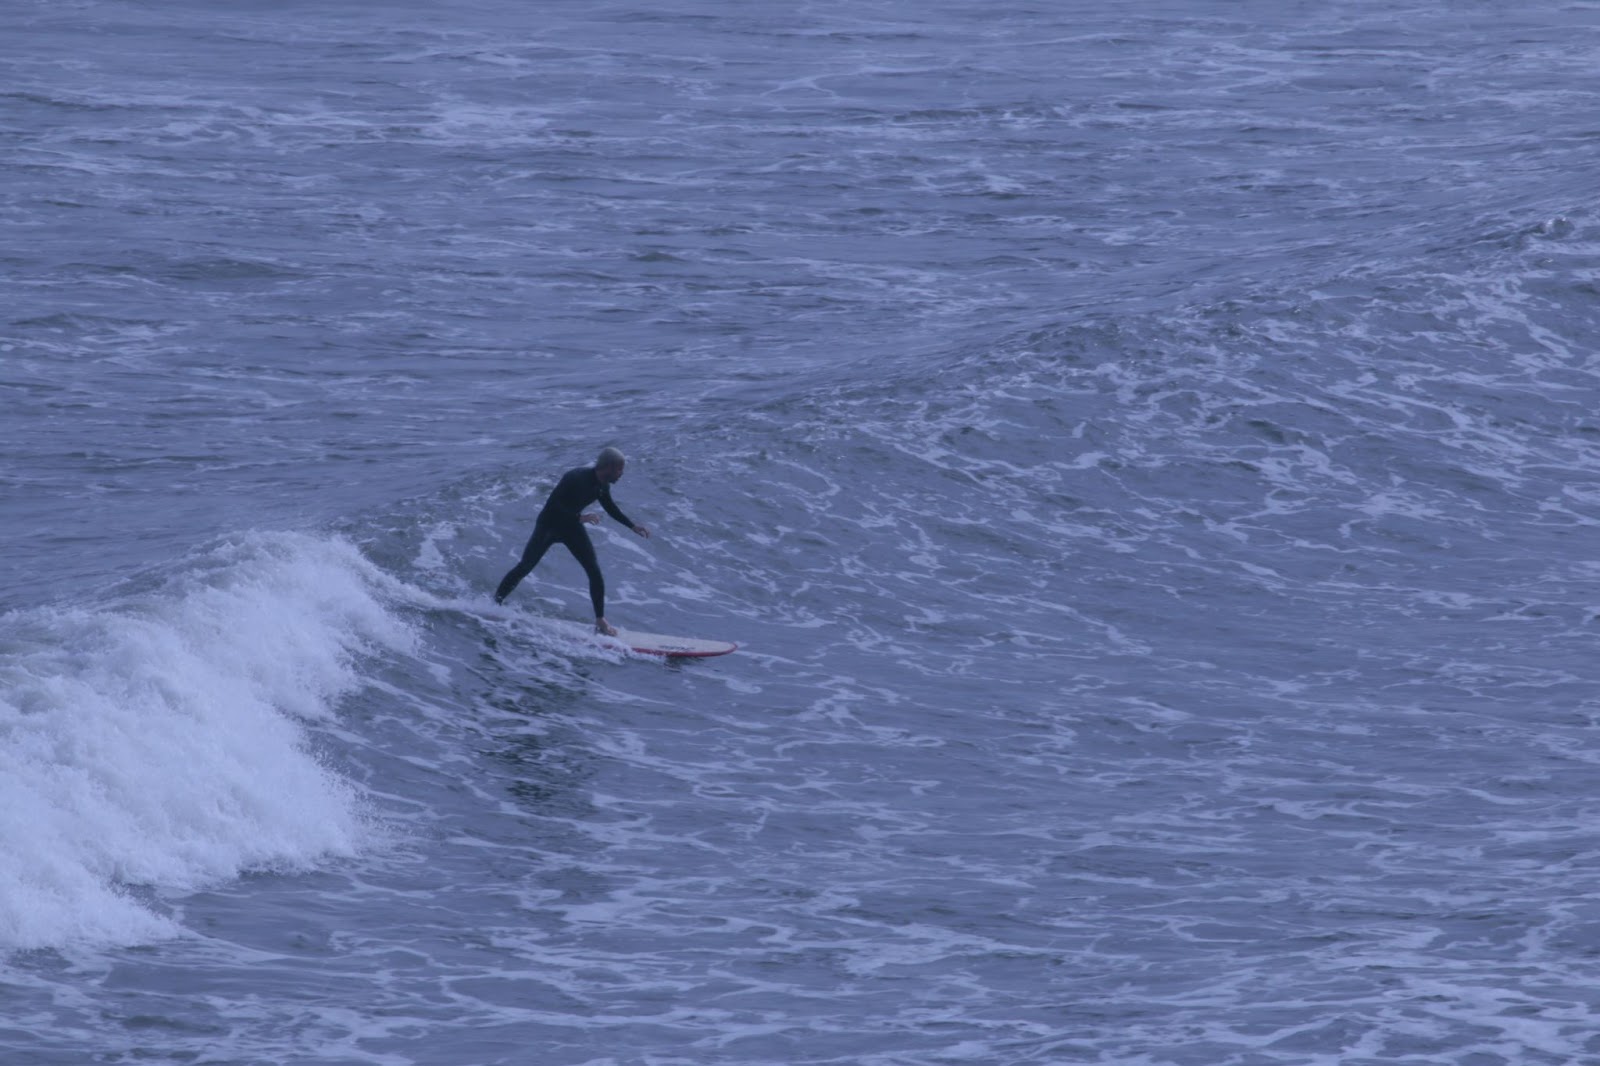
(1148, 455)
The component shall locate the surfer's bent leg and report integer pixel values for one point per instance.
(577, 542)
(538, 544)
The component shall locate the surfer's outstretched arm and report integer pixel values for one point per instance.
(594, 520)
(608, 471)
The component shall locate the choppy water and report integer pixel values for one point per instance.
(1148, 456)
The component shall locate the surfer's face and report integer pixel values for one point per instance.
(610, 475)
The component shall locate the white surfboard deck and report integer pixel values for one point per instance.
(670, 647)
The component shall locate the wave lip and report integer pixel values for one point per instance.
(158, 745)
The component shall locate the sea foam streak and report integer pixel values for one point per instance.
(159, 742)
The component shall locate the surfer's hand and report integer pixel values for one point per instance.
(642, 531)
(592, 519)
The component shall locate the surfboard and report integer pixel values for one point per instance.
(670, 647)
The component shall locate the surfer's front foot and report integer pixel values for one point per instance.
(604, 628)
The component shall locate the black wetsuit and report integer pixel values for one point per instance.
(558, 523)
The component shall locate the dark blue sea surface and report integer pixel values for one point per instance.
(1149, 456)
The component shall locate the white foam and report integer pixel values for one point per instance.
(159, 742)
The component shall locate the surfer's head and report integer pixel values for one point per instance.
(609, 465)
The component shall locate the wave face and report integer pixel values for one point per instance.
(1147, 455)
(159, 744)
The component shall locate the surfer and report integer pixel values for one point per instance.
(561, 521)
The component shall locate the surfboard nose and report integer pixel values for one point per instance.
(672, 647)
